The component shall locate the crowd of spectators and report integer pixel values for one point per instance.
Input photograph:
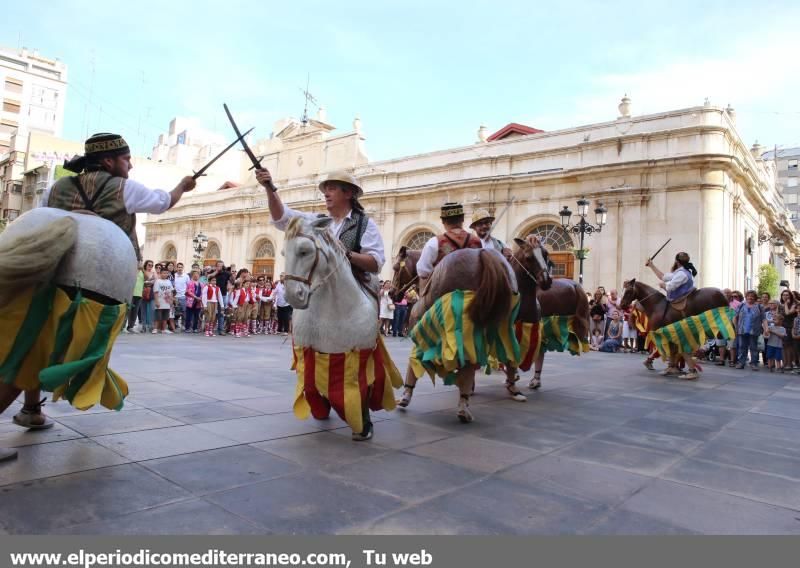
(767, 330)
(216, 300)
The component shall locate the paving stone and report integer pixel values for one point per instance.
(751, 459)
(627, 523)
(588, 481)
(206, 412)
(397, 434)
(751, 484)
(712, 419)
(650, 440)
(168, 398)
(494, 506)
(215, 470)
(539, 440)
(305, 504)
(671, 428)
(266, 404)
(752, 441)
(783, 408)
(196, 517)
(12, 436)
(768, 426)
(474, 453)
(320, 449)
(660, 392)
(630, 458)
(405, 476)
(711, 512)
(260, 428)
(117, 422)
(45, 505)
(152, 444)
(57, 458)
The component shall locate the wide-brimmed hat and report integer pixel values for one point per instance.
(343, 177)
(479, 215)
(452, 210)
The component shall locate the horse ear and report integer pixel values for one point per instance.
(321, 223)
(519, 242)
(403, 251)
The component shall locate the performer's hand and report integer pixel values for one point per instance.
(507, 253)
(264, 177)
(649, 262)
(187, 184)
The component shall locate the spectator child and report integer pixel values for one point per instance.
(774, 334)
(164, 296)
(211, 299)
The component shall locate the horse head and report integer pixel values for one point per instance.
(533, 258)
(313, 256)
(628, 294)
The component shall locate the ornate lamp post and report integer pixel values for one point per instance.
(199, 244)
(583, 227)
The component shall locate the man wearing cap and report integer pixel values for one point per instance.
(351, 225)
(482, 225)
(103, 188)
(452, 239)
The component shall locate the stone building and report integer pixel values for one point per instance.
(684, 174)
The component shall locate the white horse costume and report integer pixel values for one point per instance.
(340, 359)
(65, 280)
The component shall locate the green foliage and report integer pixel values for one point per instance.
(61, 171)
(768, 279)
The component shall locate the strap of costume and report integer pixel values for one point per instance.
(455, 243)
(359, 233)
(89, 203)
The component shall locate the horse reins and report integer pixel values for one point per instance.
(307, 280)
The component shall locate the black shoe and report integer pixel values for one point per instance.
(365, 435)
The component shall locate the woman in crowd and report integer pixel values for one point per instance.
(386, 308)
(788, 309)
(146, 306)
(194, 304)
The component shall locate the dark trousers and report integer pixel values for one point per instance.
(748, 342)
(134, 311)
(221, 314)
(400, 313)
(284, 317)
(193, 318)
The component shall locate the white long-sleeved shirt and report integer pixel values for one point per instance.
(279, 295)
(371, 240)
(216, 296)
(137, 197)
(428, 257)
(674, 280)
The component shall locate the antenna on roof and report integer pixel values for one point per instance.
(309, 99)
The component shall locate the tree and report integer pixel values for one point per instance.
(768, 278)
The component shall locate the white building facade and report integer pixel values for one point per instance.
(684, 174)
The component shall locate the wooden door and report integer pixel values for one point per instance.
(265, 266)
(563, 265)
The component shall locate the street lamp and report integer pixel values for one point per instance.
(200, 243)
(582, 227)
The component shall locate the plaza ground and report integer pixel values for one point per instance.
(207, 444)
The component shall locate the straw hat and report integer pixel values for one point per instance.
(343, 177)
(479, 215)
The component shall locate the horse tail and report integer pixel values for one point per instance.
(581, 325)
(30, 259)
(492, 301)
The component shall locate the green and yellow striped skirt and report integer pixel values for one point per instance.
(445, 339)
(689, 334)
(63, 346)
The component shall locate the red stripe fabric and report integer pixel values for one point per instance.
(320, 407)
(376, 400)
(336, 383)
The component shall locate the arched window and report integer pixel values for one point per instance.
(553, 236)
(212, 254)
(418, 240)
(265, 250)
(170, 253)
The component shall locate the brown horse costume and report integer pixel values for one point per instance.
(486, 273)
(660, 312)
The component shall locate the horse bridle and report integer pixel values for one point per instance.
(531, 276)
(307, 280)
(403, 268)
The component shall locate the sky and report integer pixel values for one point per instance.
(421, 75)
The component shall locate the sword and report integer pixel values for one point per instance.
(659, 250)
(255, 161)
(503, 212)
(201, 171)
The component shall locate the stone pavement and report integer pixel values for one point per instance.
(207, 444)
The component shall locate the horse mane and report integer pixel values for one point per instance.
(298, 224)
